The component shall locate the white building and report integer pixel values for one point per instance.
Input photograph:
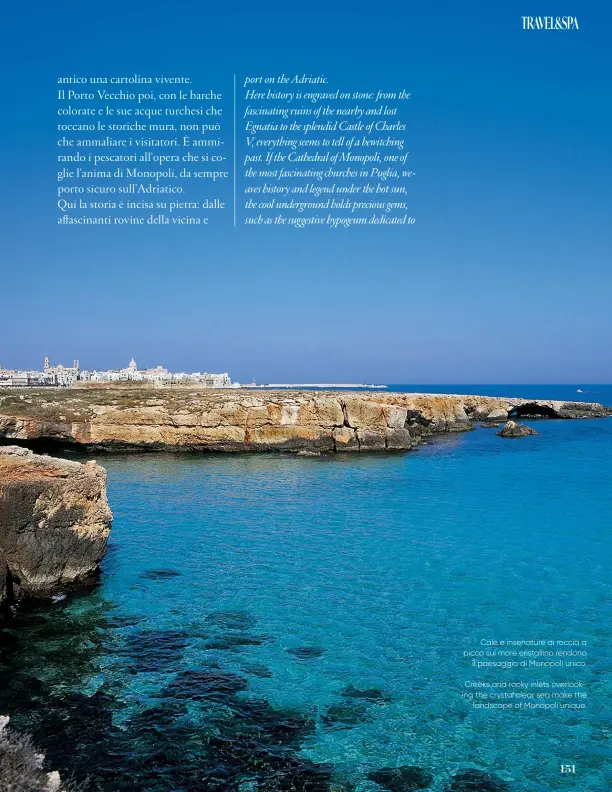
(216, 380)
(61, 375)
(18, 378)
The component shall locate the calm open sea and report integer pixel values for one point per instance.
(283, 623)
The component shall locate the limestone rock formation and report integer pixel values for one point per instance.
(141, 418)
(498, 414)
(513, 429)
(54, 522)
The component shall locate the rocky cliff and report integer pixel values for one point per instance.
(144, 418)
(54, 522)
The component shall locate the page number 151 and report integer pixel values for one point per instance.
(568, 768)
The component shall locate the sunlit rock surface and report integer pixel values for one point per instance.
(184, 418)
(513, 429)
(54, 522)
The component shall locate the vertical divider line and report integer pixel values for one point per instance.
(234, 151)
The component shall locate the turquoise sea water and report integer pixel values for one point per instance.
(268, 622)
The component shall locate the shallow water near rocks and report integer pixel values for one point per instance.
(284, 623)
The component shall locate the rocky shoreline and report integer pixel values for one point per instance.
(186, 419)
(54, 523)
(54, 526)
(54, 515)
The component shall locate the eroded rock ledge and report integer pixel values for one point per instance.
(54, 522)
(139, 419)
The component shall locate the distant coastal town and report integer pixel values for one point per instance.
(65, 376)
(60, 376)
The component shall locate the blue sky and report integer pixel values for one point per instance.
(505, 277)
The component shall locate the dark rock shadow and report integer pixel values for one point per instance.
(402, 779)
(306, 652)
